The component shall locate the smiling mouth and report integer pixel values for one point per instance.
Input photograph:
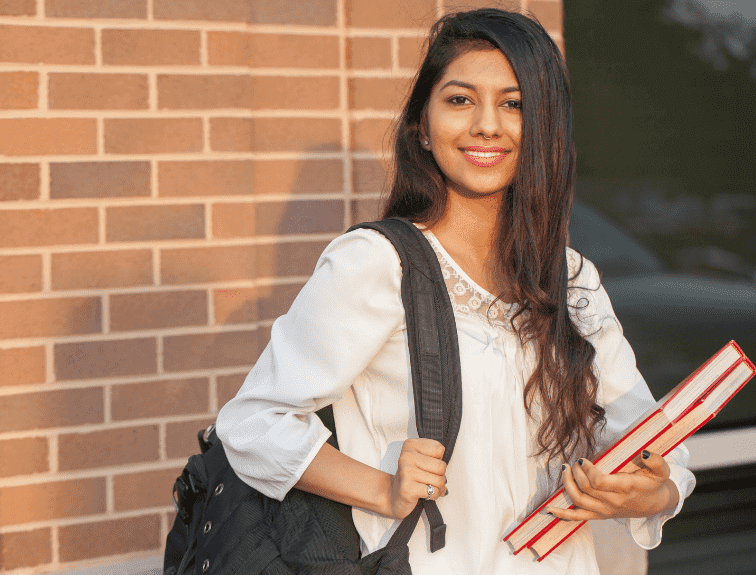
(485, 159)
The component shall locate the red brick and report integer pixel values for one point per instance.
(95, 359)
(50, 317)
(24, 456)
(372, 135)
(391, 13)
(377, 93)
(145, 490)
(244, 177)
(22, 366)
(25, 548)
(149, 223)
(366, 211)
(278, 218)
(118, 268)
(411, 52)
(18, 90)
(275, 134)
(48, 227)
(47, 136)
(368, 52)
(20, 274)
(228, 387)
(272, 50)
(187, 92)
(181, 438)
(53, 500)
(96, 9)
(210, 10)
(48, 409)
(99, 180)
(209, 351)
(114, 537)
(151, 47)
(157, 310)
(369, 177)
(19, 182)
(160, 398)
(18, 8)
(288, 259)
(287, 92)
(203, 265)
(310, 13)
(549, 14)
(248, 305)
(47, 45)
(98, 91)
(108, 448)
(153, 135)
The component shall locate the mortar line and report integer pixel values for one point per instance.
(44, 181)
(98, 46)
(44, 87)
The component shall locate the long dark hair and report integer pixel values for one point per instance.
(530, 247)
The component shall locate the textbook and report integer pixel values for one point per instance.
(680, 413)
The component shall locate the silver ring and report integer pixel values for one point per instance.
(431, 491)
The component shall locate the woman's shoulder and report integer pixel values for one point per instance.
(361, 256)
(581, 273)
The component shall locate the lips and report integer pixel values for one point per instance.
(484, 157)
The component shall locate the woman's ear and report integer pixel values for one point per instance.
(422, 132)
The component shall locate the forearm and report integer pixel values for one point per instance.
(338, 477)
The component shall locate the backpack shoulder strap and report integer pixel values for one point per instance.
(434, 354)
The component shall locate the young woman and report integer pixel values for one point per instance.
(485, 165)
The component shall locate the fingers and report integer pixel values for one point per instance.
(583, 495)
(655, 463)
(425, 454)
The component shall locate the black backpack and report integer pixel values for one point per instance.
(225, 527)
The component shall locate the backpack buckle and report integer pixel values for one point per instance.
(185, 492)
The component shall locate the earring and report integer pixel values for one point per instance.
(425, 142)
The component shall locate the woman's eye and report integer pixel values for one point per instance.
(513, 104)
(459, 100)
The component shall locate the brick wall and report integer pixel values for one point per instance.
(169, 173)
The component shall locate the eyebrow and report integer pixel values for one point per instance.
(506, 90)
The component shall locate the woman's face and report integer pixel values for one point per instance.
(473, 123)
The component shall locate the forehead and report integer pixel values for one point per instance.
(481, 68)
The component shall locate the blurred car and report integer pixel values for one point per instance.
(674, 322)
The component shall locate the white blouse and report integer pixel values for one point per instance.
(344, 342)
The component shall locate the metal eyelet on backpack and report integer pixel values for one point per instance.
(208, 527)
(205, 565)
(219, 489)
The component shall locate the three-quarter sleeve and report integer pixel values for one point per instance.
(623, 393)
(337, 324)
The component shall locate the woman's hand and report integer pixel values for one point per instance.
(420, 465)
(642, 493)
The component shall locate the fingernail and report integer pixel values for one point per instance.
(645, 454)
(447, 492)
(564, 467)
(549, 513)
(580, 461)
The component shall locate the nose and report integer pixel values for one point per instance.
(487, 121)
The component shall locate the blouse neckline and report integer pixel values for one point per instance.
(454, 264)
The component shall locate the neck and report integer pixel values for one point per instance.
(471, 222)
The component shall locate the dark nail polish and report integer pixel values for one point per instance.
(580, 461)
(645, 454)
(564, 467)
(549, 513)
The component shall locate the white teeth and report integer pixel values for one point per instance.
(483, 154)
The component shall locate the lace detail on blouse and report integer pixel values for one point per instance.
(467, 298)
